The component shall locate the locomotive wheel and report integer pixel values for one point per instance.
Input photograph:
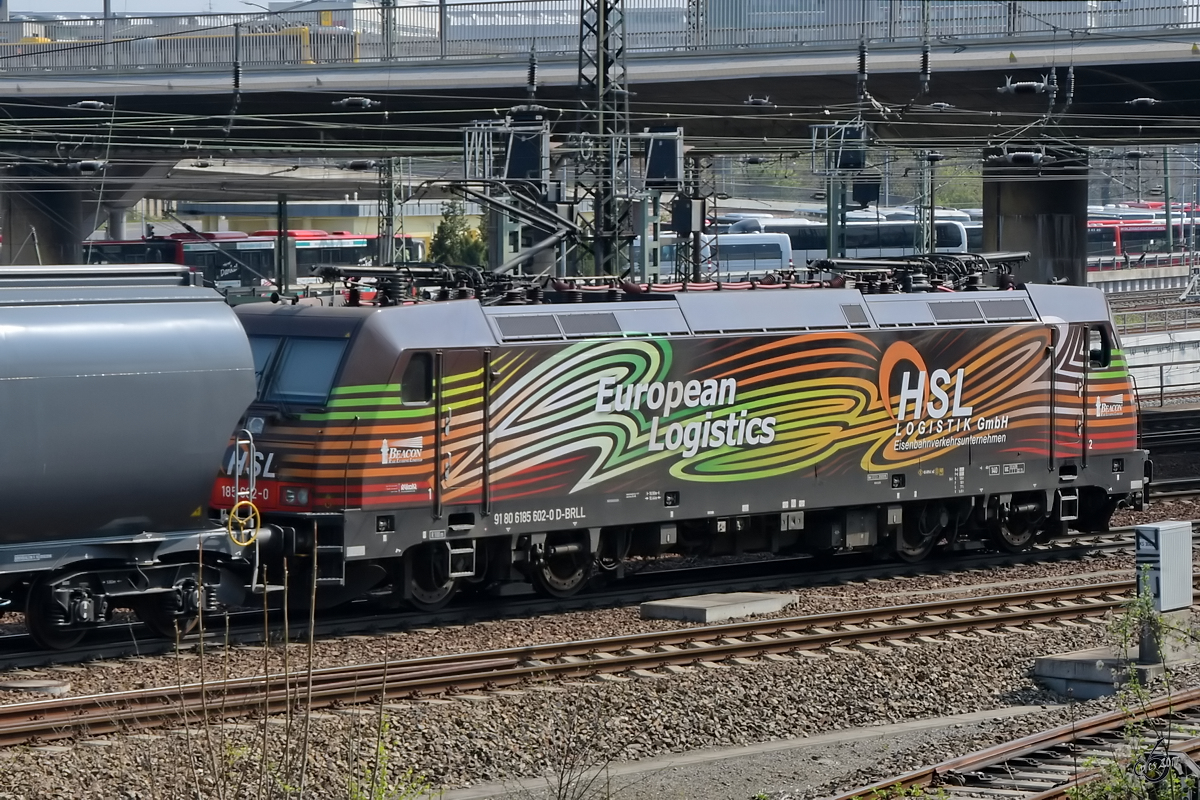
(921, 532)
(1013, 534)
(429, 586)
(913, 546)
(41, 615)
(565, 574)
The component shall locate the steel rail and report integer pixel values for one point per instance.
(1190, 748)
(97, 714)
(950, 773)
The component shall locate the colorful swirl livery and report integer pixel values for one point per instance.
(816, 421)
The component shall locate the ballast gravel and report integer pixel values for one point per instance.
(502, 737)
(1182, 508)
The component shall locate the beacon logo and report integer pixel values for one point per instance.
(400, 451)
(1111, 406)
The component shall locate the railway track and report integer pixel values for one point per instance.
(121, 640)
(1051, 764)
(1174, 488)
(784, 638)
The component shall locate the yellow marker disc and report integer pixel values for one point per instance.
(243, 524)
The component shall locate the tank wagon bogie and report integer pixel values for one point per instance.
(436, 445)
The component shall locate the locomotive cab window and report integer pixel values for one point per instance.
(1099, 347)
(416, 387)
(263, 348)
(301, 372)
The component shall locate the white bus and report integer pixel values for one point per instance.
(738, 256)
(865, 239)
(725, 256)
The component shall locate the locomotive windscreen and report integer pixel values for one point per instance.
(263, 348)
(296, 370)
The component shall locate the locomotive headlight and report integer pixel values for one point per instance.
(255, 425)
(295, 496)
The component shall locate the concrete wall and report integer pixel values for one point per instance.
(1041, 209)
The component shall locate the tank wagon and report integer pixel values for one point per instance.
(435, 446)
(119, 389)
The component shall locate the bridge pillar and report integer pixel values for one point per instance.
(116, 223)
(1037, 201)
(42, 209)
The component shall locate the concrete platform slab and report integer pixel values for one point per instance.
(717, 607)
(675, 767)
(37, 686)
(1088, 674)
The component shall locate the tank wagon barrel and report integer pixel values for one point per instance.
(120, 389)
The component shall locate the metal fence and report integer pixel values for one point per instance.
(438, 29)
(1164, 384)
(1157, 320)
(1141, 261)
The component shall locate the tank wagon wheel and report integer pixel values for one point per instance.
(44, 618)
(564, 566)
(430, 587)
(159, 617)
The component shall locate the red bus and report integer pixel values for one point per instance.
(231, 259)
(221, 257)
(1114, 244)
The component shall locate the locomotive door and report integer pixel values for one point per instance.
(1069, 392)
(1103, 399)
(459, 428)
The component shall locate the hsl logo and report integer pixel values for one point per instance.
(401, 451)
(936, 394)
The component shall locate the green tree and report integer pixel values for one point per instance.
(455, 242)
(959, 186)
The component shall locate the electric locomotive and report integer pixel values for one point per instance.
(431, 446)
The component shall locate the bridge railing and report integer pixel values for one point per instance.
(1157, 320)
(438, 29)
(1167, 383)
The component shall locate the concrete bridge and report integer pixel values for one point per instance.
(1123, 70)
(738, 75)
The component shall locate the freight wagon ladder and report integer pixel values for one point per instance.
(244, 494)
(243, 469)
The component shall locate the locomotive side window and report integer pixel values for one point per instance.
(1099, 347)
(263, 348)
(304, 371)
(416, 387)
